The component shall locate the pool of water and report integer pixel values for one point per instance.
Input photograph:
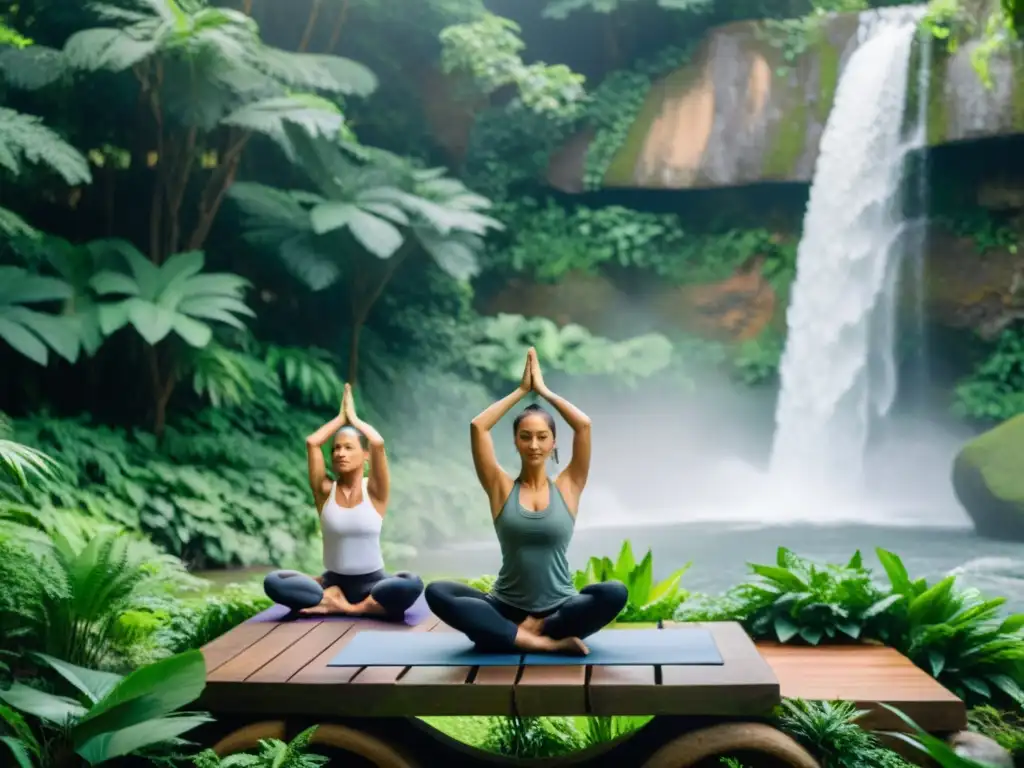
(719, 552)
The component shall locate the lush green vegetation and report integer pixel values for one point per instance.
(214, 213)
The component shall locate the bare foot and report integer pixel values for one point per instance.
(532, 624)
(369, 607)
(570, 646)
(333, 601)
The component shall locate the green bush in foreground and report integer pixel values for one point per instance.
(950, 631)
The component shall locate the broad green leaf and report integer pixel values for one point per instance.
(23, 342)
(124, 741)
(59, 332)
(152, 322)
(856, 562)
(195, 333)
(785, 629)
(1012, 624)
(378, 236)
(104, 48)
(781, 576)
(53, 709)
(897, 573)
(625, 563)
(93, 683)
(113, 317)
(108, 282)
(640, 581)
(1009, 686)
(811, 634)
(668, 586)
(978, 686)
(153, 691)
(17, 747)
(882, 606)
(936, 662)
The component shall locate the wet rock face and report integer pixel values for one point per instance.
(737, 115)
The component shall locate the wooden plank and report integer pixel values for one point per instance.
(378, 691)
(226, 647)
(552, 690)
(316, 672)
(611, 690)
(268, 647)
(743, 686)
(866, 675)
(286, 665)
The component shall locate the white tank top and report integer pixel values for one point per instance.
(351, 536)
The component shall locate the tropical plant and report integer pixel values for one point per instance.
(209, 83)
(25, 140)
(531, 737)
(310, 374)
(20, 462)
(648, 601)
(383, 205)
(112, 715)
(273, 753)
(501, 341)
(32, 333)
(956, 635)
(797, 598)
(20, 740)
(93, 575)
(829, 730)
(939, 751)
(196, 622)
(158, 300)
(232, 378)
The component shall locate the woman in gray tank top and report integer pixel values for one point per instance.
(533, 605)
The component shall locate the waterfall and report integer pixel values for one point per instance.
(838, 369)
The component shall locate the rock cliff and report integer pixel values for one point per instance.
(738, 113)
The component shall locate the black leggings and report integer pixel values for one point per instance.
(492, 624)
(396, 594)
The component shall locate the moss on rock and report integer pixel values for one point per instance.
(828, 76)
(788, 143)
(989, 483)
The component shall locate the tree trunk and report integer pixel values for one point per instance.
(363, 301)
(162, 383)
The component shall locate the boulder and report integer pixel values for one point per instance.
(981, 749)
(989, 483)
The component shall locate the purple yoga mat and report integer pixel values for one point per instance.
(415, 615)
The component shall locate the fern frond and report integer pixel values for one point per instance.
(24, 139)
(32, 67)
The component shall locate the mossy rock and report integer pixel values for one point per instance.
(988, 481)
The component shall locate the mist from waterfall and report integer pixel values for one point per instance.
(838, 371)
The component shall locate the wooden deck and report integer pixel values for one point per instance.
(280, 669)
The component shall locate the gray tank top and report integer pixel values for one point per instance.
(534, 573)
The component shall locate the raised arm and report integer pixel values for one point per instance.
(318, 482)
(379, 485)
(579, 467)
(484, 460)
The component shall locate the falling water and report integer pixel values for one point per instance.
(839, 367)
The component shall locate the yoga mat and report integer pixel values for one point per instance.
(611, 647)
(417, 649)
(416, 614)
(616, 647)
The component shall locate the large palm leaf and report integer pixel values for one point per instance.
(173, 297)
(32, 333)
(380, 201)
(216, 66)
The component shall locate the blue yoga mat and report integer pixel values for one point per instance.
(451, 649)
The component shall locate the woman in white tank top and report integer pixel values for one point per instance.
(352, 510)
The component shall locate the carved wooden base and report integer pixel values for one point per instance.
(665, 742)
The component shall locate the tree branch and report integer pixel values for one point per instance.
(216, 188)
(307, 33)
(338, 24)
